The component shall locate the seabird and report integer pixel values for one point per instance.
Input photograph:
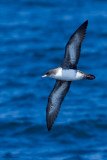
(65, 74)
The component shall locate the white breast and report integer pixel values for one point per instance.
(68, 75)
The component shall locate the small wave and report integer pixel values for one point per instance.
(39, 3)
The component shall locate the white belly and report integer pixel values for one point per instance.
(68, 75)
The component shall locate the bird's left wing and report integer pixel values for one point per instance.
(73, 47)
(54, 101)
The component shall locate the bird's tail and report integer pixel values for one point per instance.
(90, 77)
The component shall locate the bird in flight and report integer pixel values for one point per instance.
(65, 74)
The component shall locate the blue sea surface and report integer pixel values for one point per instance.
(33, 35)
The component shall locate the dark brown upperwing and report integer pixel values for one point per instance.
(73, 47)
(54, 101)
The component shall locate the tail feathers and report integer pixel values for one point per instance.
(90, 77)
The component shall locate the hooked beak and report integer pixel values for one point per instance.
(44, 76)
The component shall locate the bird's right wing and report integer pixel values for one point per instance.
(54, 101)
(73, 47)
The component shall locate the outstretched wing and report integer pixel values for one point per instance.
(73, 47)
(54, 101)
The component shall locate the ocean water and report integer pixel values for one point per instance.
(33, 34)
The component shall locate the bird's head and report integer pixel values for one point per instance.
(50, 73)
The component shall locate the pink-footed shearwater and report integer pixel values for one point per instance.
(65, 74)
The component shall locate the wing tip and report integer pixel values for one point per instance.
(49, 126)
(82, 29)
(50, 121)
(85, 24)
